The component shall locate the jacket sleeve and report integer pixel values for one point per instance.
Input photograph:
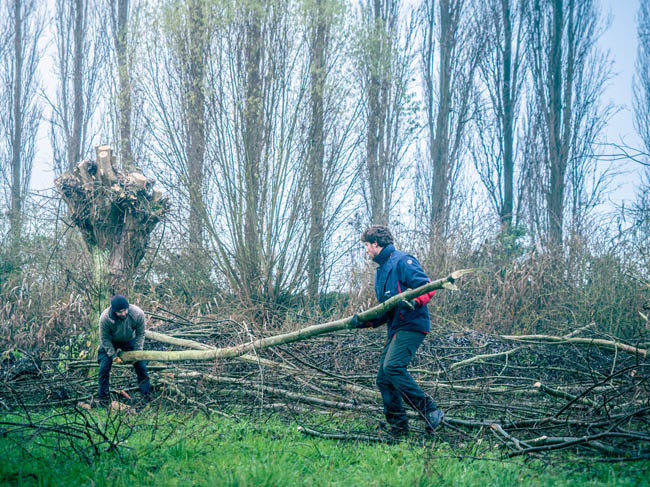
(410, 272)
(425, 298)
(139, 332)
(105, 335)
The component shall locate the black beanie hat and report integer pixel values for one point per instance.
(119, 303)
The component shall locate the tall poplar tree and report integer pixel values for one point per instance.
(21, 111)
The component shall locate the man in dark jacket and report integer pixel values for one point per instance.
(121, 329)
(407, 324)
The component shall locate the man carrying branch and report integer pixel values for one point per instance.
(407, 324)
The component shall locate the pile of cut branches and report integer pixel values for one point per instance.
(530, 394)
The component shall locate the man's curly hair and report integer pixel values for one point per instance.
(379, 234)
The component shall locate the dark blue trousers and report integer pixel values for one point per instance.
(396, 384)
(105, 364)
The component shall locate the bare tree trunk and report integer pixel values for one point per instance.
(124, 101)
(439, 130)
(508, 95)
(195, 102)
(501, 75)
(16, 208)
(260, 148)
(377, 75)
(642, 77)
(556, 123)
(74, 147)
(77, 73)
(385, 68)
(252, 134)
(318, 73)
(450, 54)
(568, 75)
(176, 56)
(640, 210)
(20, 111)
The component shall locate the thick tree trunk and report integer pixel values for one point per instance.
(379, 81)
(74, 147)
(440, 141)
(115, 211)
(317, 153)
(508, 93)
(195, 103)
(252, 132)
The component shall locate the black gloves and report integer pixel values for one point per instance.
(407, 305)
(356, 322)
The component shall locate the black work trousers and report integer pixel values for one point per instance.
(106, 362)
(396, 384)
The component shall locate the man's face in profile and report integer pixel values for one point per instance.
(372, 249)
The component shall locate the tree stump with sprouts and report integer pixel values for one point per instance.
(116, 212)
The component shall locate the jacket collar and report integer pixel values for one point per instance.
(385, 253)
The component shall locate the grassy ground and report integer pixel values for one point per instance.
(170, 450)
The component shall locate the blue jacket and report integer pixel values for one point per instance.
(397, 272)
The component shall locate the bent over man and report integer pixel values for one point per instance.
(407, 326)
(121, 329)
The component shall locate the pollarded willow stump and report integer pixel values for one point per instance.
(115, 210)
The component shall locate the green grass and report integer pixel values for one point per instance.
(225, 452)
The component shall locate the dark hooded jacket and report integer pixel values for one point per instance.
(397, 272)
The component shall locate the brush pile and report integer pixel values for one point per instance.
(530, 394)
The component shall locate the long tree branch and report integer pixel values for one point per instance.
(294, 336)
(613, 345)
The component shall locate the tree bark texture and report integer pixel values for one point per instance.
(124, 83)
(318, 75)
(74, 146)
(440, 134)
(115, 211)
(379, 63)
(16, 209)
(195, 115)
(451, 51)
(252, 132)
(508, 99)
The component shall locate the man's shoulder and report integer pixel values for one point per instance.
(104, 317)
(397, 255)
(409, 263)
(136, 311)
(404, 258)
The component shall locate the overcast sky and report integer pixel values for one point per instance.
(619, 39)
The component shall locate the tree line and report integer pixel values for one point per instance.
(280, 128)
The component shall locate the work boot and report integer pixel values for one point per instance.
(398, 433)
(433, 419)
(142, 402)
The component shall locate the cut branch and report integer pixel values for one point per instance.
(599, 342)
(294, 336)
